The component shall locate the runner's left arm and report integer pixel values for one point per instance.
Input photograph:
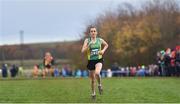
(104, 48)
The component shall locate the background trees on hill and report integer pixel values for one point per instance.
(134, 35)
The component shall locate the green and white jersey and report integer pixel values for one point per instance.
(93, 49)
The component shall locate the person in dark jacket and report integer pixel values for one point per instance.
(14, 70)
(4, 71)
(167, 61)
(177, 62)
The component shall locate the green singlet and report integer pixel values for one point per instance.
(93, 49)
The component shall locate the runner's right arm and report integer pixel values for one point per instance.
(85, 46)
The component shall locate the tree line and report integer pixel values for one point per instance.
(134, 36)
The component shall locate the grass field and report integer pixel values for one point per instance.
(67, 90)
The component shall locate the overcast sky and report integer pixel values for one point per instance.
(49, 20)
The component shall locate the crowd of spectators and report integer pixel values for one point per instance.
(167, 64)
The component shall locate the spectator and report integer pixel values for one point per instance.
(20, 72)
(109, 73)
(159, 63)
(64, 72)
(41, 69)
(132, 71)
(162, 63)
(127, 71)
(69, 71)
(123, 71)
(78, 73)
(14, 71)
(172, 67)
(115, 68)
(84, 73)
(167, 60)
(56, 72)
(177, 61)
(103, 73)
(146, 71)
(4, 71)
(141, 71)
(35, 71)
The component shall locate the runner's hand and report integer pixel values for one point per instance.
(101, 52)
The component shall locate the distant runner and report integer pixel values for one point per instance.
(48, 63)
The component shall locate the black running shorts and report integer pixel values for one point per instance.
(92, 63)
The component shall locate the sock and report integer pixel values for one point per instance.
(94, 93)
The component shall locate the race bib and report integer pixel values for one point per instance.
(94, 52)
